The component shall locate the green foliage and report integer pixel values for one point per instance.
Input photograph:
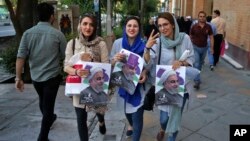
(118, 32)
(8, 56)
(71, 36)
(86, 6)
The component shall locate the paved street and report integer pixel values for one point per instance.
(7, 30)
(224, 99)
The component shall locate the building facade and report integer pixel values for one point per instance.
(237, 16)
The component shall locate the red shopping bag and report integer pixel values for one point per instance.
(222, 48)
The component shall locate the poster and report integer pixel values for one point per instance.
(92, 89)
(169, 85)
(127, 72)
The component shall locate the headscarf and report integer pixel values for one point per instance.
(178, 37)
(138, 48)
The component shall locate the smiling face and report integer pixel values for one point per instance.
(166, 28)
(132, 28)
(87, 27)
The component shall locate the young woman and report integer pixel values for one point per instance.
(168, 48)
(131, 40)
(95, 50)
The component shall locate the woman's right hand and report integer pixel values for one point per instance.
(119, 57)
(152, 39)
(82, 72)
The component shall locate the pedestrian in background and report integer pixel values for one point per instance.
(199, 33)
(209, 53)
(93, 49)
(133, 104)
(45, 47)
(168, 48)
(150, 27)
(220, 24)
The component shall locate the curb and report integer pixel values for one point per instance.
(232, 62)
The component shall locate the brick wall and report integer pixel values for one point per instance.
(237, 15)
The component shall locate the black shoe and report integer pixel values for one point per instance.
(54, 119)
(39, 139)
(211, 67)
(197, 86)
(129, 133)
(102, 128)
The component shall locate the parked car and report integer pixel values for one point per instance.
(4, 16)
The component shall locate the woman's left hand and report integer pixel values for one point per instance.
(143, 76)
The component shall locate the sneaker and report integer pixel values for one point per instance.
(211, 67)
(197, 85)
(102, 128)
(54, 119)
(129, 133)
(160, 136)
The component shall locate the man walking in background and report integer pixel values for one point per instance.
(220, 24)
(45, 47)
(199, 33)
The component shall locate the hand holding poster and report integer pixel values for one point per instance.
(93, 88)
(126, 73)
(169, 85)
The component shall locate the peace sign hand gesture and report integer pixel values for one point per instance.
(152, 39)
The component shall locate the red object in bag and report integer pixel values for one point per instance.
(78, 66)
(222, 48)
(73, 79)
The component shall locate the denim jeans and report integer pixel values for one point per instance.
(47, 92)
(136, 121)
(164, 118)
(164, 121)
(199, 55)
(210, 57)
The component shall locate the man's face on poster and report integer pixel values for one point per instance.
(97, 81)
(172, 84)
(129, 71)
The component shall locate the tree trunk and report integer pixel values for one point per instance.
(23, 18)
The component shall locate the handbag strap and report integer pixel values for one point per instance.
(159, 53)
(73, 46)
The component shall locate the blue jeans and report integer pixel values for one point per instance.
(210, 57)
(199, 55)
(164, 118)
(164, 121)
(136, 121)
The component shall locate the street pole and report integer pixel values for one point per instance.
(97, 9)
(109, 22)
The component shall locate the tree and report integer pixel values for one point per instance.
(23, 16)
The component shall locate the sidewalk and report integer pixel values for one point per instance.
(206, 119)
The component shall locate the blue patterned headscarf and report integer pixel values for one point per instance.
(138, 48)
